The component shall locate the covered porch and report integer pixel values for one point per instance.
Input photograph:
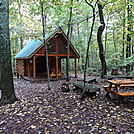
(37, 69)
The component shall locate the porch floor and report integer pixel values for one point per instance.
(41, 78)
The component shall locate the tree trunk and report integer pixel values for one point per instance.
(68, 33)
(90, 37)
(114, 41)
(106, 33)
(87, 21)
(123, 38)
(44, 41)
(6, 77)
(129, 28)
(71, 32)
(99, 34)
(21, 38)
(21, 42)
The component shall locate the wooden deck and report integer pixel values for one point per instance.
(41, 78)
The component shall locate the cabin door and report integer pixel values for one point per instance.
(41, 66)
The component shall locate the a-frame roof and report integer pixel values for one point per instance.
(35, 44)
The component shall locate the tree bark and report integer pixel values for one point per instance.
(114, 42)
(123, 38)
(106, 32)
(6, 76)
(129, 28)
(90, 37)
(68, 33)
(99, 39)
(21, 42)
(71, 32)
(44, 42)
(21, 38)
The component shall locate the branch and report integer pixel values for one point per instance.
(89, 4)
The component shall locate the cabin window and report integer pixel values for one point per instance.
(52, 46)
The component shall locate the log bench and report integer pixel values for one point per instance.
(87, 89)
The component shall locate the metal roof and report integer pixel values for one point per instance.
(35, 44)
(29, 49)
(32, 46)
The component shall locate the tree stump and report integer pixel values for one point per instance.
(65, 87)
(114, 71)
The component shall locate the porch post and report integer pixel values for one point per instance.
(75, 68)
(34, 68)
(57, 67)
(28, 68)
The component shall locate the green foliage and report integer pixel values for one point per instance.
(25, 22)
(128, 61)
(114, 0)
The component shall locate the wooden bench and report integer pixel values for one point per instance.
(106, 87)
(88, 89)
(53, 74)
(125, 85)
(126, 94)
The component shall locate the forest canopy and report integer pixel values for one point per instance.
(25, 24)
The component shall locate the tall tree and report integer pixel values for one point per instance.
(129, 28)
(106, 31)
(90, 37)
(123, 38)
(44, 40)
(68, 35)
(99, 39)
(6, 77)
(20, 18)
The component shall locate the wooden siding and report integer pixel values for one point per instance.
(20, 67)
(60, 45)
(42, 50)
(28, 64)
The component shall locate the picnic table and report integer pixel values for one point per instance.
(115, 85)
(53, 73)
(119, 76)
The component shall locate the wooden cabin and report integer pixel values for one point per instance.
(31, 60)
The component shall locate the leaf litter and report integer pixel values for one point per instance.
(42, 111)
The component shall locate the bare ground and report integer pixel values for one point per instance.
(42, 111)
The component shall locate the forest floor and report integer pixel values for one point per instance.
(42, 111)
